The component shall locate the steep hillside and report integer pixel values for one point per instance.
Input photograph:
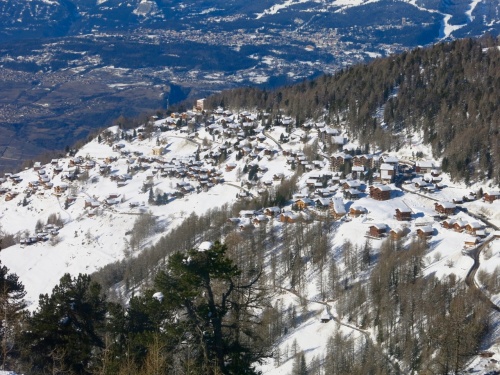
(77, 65)
(448, 93)
(335, 260)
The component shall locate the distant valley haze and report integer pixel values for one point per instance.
(68, 67)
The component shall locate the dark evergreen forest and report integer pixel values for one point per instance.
(449, 93)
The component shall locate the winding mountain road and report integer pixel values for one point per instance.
(272, 139)
(470, 278)
(367, 336)
(474, 254)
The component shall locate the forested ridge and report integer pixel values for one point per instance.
(449, 93)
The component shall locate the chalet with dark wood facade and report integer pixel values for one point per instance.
(445, 208)
(380, 192)
(377, 230)
(355, 211)
(425, 231)
(403, 214)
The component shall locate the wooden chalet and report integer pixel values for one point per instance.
(289, 217)
(380, 192)
(459, 226)
(471, 241)
(260, 219)
(352, 184)
(303, 203)
(89, 164)
(377, 230)
(272, 211)
(445, 208)
(70, 199)
(245, 225)
(338, 208)
(362, 161)
(91, 203)
(10, 195)
(352, 194)
(448, 223)
(355, 211)
(491, 196)
(324, 192)
(326, 133)
(338, 160)
(403, 214)
(322, 203)
(473, 227)
(61, 188)
(425, 231)
(398, 233)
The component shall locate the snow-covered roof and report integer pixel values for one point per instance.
(425, 164)
(204, 246)
(447, 205)
(379, 226)
(338, 205)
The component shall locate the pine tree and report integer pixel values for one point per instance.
(151, 197)
(208, 287)
(11, 312)
(64, 333)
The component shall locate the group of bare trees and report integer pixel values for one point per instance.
(427, 325)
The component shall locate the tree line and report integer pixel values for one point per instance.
(447, 92)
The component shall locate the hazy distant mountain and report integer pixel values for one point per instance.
(50, 18)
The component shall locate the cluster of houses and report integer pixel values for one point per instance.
(244, 134)
(249, 219)
(321, 203)
(471, 227)
(50, 230)
(44, 181)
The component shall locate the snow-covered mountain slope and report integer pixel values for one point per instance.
(93, 215)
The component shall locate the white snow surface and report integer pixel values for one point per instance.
(86, 243)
